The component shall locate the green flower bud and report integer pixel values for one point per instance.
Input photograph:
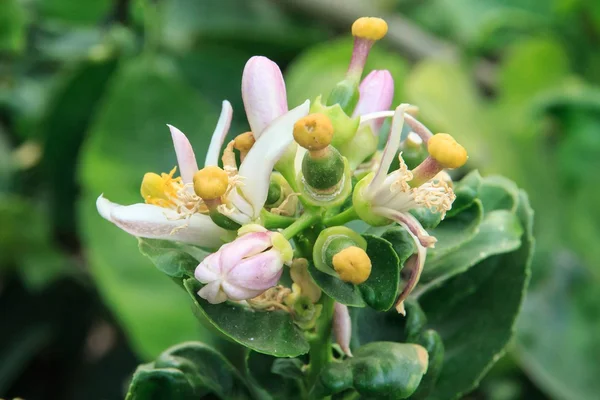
(345, 127)
(346, 94)
(322, 173)
(332, 241)
(305, 312)
(274, 194)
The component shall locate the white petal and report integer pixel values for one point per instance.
(149, 221)
(218, 136)
(260, 160)
(389, 152)
(243, 247)
(185, 155)
(259, 272)
(263, 92)
(213, 293)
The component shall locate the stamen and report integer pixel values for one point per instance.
(436, 195)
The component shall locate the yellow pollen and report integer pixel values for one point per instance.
(210, 182)
(244, 142)
(313, 132)
(160, 189)
(369, 28)
(352, 264)
(446, 151)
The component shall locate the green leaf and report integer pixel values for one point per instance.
(188, 371)
(174, 259)
(381, 289)
(455, 231)
(129, 138)
(498, 193)
(466, 191)
(500, 232)
(268, 332)
(278, 378)
(342, 292)
(12, 27)
(321, 67)
(475, 313)
(378, 370)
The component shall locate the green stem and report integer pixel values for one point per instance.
(320, 346)
(273, 221)
(300, 224)
(342, 218)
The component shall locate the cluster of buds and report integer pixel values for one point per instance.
(289, 185)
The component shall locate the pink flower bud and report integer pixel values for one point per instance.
(376, 94)
(263, 92)
(244, 268)
(342, 327)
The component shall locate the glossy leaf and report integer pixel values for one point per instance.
(466, 191)
(378, 370)
(188, 371)
(144, 95)
(500, 232)
(381, 289)
(172, 258)
(267, 332)
(342, 292)
(486, 299)
(277, 378)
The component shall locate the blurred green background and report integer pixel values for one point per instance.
(86, 88)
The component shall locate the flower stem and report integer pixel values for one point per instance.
(274, 221)
(300, 224)
(346, 216)
(320, 345)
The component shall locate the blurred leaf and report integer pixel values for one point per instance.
(562, 310)
(188, 371)
(129, 138)
(318, 69)
(75, 12)
(530, 67)
(475, 313)
(63, 129)
(271, 332)
(455, 231)
(173, 258)
(12, 27)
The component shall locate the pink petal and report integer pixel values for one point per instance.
(258, 272)
(218, 136)
(209, 269)
(237, 293)
(342, 327)
(185, 155)
(263, 92)
(243, 247)
(213, 293)
(376, 94)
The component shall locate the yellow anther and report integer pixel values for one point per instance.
(244, 142)
(446, 151)
(352, 264)
(210, 182)
(369, 28)
(153, 187)
(313, 132)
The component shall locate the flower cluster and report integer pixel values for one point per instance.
(281, 193)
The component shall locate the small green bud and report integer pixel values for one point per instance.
(323, 170)
(344, 127)
(223, 221)
(346, 94)
(305, 312)
(274, 194)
